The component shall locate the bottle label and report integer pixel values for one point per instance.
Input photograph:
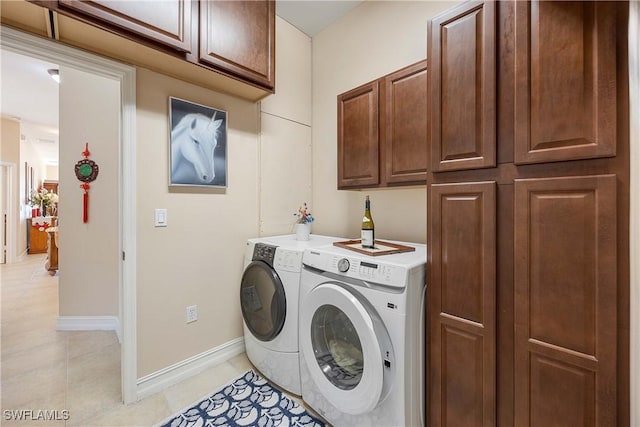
(367, 238)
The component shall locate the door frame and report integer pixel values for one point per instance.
(7, 169)
(51, 51)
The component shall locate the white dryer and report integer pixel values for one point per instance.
(269, 295)
(361, 336)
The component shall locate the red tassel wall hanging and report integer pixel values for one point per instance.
(86, 171)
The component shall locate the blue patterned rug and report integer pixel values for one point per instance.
(247, 401)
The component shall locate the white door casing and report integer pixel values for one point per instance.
(48, 50)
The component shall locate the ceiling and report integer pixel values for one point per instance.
(30, 95)
(312, 16)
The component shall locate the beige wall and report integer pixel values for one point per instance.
(89, 253)
(198, 257)
(285, 134)
(9, 140)
(28, 154)
(374, 39)
(52, 173)
(10, 153)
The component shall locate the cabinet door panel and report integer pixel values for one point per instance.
(358, 152)
(406, 126)
(566, 301)
(37, 239)
(166, 22)
(565, 81)
(462, 303)
(239, 37)
(462, 85)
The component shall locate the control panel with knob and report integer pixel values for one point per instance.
(387, 271)
(343, 265)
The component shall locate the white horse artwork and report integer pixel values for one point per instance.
(193, 141)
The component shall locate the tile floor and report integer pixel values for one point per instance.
(45, 369)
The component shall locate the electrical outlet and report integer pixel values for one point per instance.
(192, 313)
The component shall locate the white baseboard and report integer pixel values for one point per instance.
(89, 323)
(160, 380)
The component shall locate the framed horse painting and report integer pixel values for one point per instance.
(198, 145)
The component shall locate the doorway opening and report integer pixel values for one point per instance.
(124, 214)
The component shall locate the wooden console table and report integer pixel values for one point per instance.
(37, 239)
(52, 259)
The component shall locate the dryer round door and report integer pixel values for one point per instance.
(263, 301)
(341, 348)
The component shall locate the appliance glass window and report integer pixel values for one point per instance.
(337, 347)
(263, 301)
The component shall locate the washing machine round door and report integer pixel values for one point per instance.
(263, 301)
(341, 348)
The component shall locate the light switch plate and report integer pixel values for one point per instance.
(192, 313)
(161, 218)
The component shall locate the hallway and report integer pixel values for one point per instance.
(79, 372)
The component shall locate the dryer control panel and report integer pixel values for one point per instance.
(371, 271)
(264, 252)
(288, 260)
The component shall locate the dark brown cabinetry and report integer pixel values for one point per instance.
(165, 22)
(405, 127)
(462, 87)
(382, 131)
(234, 38)
(462, 296)
(528, 316)
(565, 306)
(565, 87)
(358, 130)
(239, 36)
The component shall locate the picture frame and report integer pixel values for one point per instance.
(197, 145)
(27, 184)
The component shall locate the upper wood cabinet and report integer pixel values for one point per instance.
(165, 22)
(358, 151)
(239, 36)
(382, 131)
(565, 81)
(462, 87)
(183, 38)
(405, 125)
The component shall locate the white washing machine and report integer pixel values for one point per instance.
(361, 336)
(269, 295)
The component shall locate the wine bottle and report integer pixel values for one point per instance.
(368, 232)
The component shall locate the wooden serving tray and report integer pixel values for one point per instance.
(381, 247)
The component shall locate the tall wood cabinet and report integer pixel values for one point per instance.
(528, 265)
